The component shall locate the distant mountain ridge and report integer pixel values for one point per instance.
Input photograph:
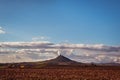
(58, 61)
(62, 60)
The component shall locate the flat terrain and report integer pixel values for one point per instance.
(62, 73)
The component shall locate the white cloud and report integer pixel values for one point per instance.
(2, 31)
(38, 44)
(40, 38)
(42, 50)
(47, 44)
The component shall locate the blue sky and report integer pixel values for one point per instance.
(78, 21)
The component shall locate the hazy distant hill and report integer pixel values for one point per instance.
(58, 61)
(62, 60)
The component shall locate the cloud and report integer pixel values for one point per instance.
(49, 45)
(42, 50)
(41, 38)
(2, 31)
(38, 44)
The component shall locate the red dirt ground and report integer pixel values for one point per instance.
(62, 73)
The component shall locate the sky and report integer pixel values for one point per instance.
(77, 21)
(68, 22)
